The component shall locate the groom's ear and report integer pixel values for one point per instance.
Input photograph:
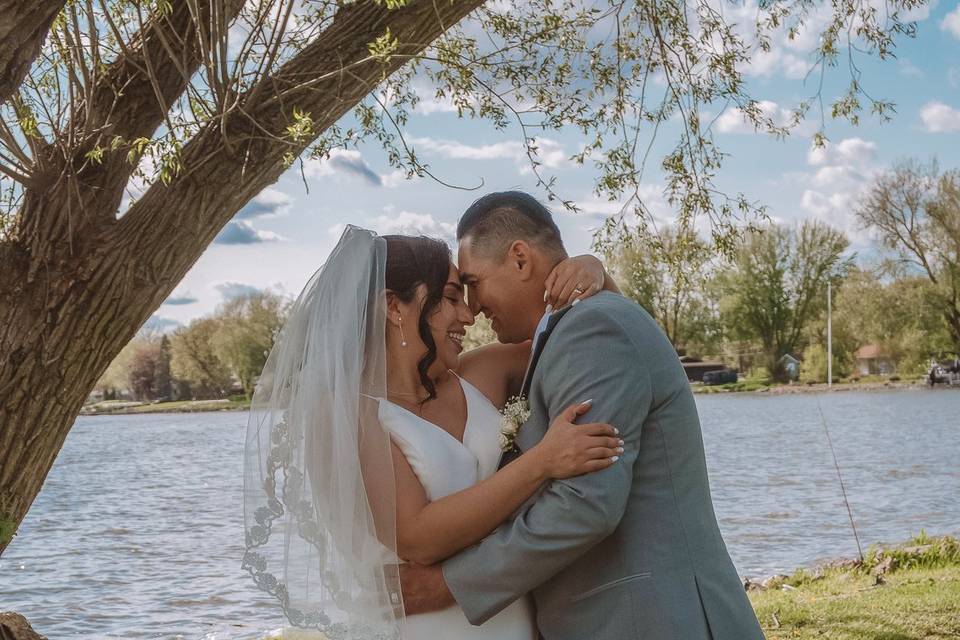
(520, 259)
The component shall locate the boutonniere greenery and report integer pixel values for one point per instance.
(512, 417)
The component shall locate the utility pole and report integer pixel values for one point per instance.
(829, 336)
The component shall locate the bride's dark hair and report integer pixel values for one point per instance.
(412, 261)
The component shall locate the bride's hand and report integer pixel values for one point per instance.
(574, 279)
(570, 449)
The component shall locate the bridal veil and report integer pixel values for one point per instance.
(319, 496)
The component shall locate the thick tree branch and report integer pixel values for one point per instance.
(23, 29)
(259, 160)
(130, 99)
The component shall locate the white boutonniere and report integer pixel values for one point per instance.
(512, 417)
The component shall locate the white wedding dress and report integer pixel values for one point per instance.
(444, 465)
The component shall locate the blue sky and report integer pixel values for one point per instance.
(284, 235)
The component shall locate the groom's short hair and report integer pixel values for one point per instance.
(498, 219)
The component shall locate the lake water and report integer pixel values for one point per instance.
(138, 530)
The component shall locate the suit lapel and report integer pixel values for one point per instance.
(538, 349)
(514, 452)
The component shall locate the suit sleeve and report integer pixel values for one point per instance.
(591, 358)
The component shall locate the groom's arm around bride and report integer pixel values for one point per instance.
(631, 551)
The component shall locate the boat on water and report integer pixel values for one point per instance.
(944, 372)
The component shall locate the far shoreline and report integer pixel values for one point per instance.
(109, 408)
(127, 408)
(750, 387)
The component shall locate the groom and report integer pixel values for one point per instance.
(633, 551)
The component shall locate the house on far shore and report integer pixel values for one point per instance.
(871, 360)
(695, 367)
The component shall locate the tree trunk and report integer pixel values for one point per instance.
(65, 314)
(953, 325)
(23, 29)
(14, 626)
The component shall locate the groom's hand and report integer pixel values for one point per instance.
(424, 589)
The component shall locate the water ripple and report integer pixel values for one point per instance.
(138, 530)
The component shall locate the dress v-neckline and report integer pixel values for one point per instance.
(466, 422)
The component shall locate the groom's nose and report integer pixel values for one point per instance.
(472, 302)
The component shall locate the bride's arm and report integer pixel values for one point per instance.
(428, 532)
(585, 272)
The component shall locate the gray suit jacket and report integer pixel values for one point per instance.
(633, 551)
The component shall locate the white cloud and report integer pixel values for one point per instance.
(268, 203)
(342, 161)
(938, 117)
(394, 179)
(763, 63)
(549, 152)
(336, 230)
(231, 290)
(817, 155)
(776, 61)
(350, 162)
(460, 151)
(242, 232)
(848, 152)
(855, 151)
(843, 170)
(951, 23)
(157, 325)
(652, 196)
(733, 121)
(414, 224)
(790, 53)
(918, 13)
(597, 208)
(795, 67)
(432, 104)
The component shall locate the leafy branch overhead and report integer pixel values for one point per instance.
(624, 74)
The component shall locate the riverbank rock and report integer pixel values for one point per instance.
(888, 565)
(775, 582)
(14, 626)
(840, 565)
(750, 585)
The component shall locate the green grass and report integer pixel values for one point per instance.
(919, 598)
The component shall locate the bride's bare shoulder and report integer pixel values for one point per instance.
(496, 369)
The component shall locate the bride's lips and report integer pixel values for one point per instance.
(457, 339)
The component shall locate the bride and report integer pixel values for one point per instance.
(373, 439)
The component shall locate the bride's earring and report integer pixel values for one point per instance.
(403, 341)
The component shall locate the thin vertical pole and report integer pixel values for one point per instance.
(829, 336)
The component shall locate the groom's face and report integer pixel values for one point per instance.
(496, 290)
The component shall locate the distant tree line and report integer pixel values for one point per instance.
(768, 298)
(764, 300)
(203, 360)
